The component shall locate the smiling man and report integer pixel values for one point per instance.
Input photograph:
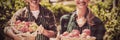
(82, 19)
(33, 12)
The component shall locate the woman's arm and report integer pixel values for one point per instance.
(100, 32)
(100, 29)
(64, 23)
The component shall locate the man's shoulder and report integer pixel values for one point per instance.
(44, 8)
(20, 11)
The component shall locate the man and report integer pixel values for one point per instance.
(82, 19)
(33, 12)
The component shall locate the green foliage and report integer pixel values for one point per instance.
(58, 9)
(110, 16)
(104, 10)
(8, 8)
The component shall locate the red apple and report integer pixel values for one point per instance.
(17, 22)
(83, 35)
(70, 35)
(24, 29)
(65, 33)
(27, 23)
(87, 31)
(75, 32)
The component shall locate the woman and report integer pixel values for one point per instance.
(82, 19)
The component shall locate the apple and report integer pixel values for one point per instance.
(70, 35)
(65, 33)
(17, 22)
(83, 35)
(30, 29)
(75, 33)
(87, 31)
(24, 29)
(27, 23)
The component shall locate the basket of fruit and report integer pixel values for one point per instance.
(75, 35)
(24, 27)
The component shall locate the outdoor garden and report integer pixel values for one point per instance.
(107, 10)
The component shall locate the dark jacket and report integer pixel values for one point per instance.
(68, 23)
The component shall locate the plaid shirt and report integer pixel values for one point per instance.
(45, 18)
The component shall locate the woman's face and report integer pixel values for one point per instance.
(34, 2)
(81, 3)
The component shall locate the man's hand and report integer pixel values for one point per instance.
(18, 37)
(40, 29)
(30, 37)
(27, 36)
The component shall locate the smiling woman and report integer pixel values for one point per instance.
(83, 19)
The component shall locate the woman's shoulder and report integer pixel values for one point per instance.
(66, 16)
(97, 20)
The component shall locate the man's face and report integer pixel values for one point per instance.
(81, 3)
(34, 2)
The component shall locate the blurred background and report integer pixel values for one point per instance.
(107, 10)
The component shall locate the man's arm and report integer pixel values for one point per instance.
(49, 33)
(8, 30)
(49, 30)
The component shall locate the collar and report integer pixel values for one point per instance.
(89, 16)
